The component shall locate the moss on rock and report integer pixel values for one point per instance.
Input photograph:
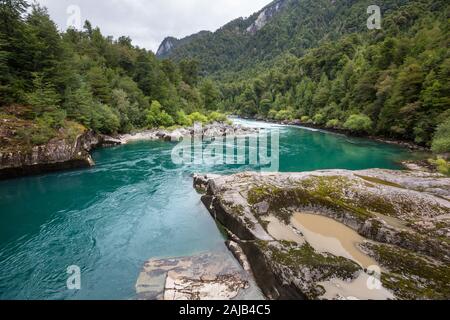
(307, 265)
(411, 275)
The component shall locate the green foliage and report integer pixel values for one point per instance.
(99, 84)
(166, 119)
(104, 119)
(319, 119)
(441, 141)
(314, 59)
(217, 117)
(334, 123)
(79, 104)
(399, 76)
(156, 117)
(305, 119)
(43, 98)
(358, 123)
(102, 83)
(182, 119)
(272, 114)
(210, 94)
(38, 134)
(442, 165)
(285, 115)
(197, 117)
(189, 71)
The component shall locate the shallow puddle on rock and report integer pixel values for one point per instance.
(282, 232)
(362, 288)
(327, 235)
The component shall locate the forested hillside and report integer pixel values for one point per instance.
(316, 61)
(313, 61)
(51, 82)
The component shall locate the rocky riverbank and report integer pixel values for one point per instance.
(396, 223)
(208, 131)
(64, 153)
(57, 154)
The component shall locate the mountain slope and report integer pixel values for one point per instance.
(283, 26)
(226, 45)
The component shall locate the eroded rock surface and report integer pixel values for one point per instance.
(202, 277)
(57, 154)
(403, 218)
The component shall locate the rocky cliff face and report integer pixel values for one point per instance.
(400, 218)
(166, 46)
(57, 154)
(265, 15)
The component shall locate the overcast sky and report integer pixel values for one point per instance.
(148, 22)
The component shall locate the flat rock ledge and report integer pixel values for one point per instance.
(403, 217)
(57, 154)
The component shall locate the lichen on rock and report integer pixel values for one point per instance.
(387, 208)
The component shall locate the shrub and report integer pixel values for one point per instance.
(166, 119)
(43, 98)
(284, 115)
(335, 123)
(441, 141)
(157, 118)
(305, 119)
(319, 119)
(42, 136)
(442, 165)
(358, 123)
(197, 117)
(39, 134)
(272, 114)
(217, 117)
(54, 119)
(182, 119)
(104, 119)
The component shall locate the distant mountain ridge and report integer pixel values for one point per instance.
(171, 43)
(283, 26)
(236, 33)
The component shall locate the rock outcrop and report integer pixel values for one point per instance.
(403, 218)
(265, 15)
(57, 154)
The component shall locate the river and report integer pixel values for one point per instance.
(135, 204)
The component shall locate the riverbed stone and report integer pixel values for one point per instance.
(209, 276)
